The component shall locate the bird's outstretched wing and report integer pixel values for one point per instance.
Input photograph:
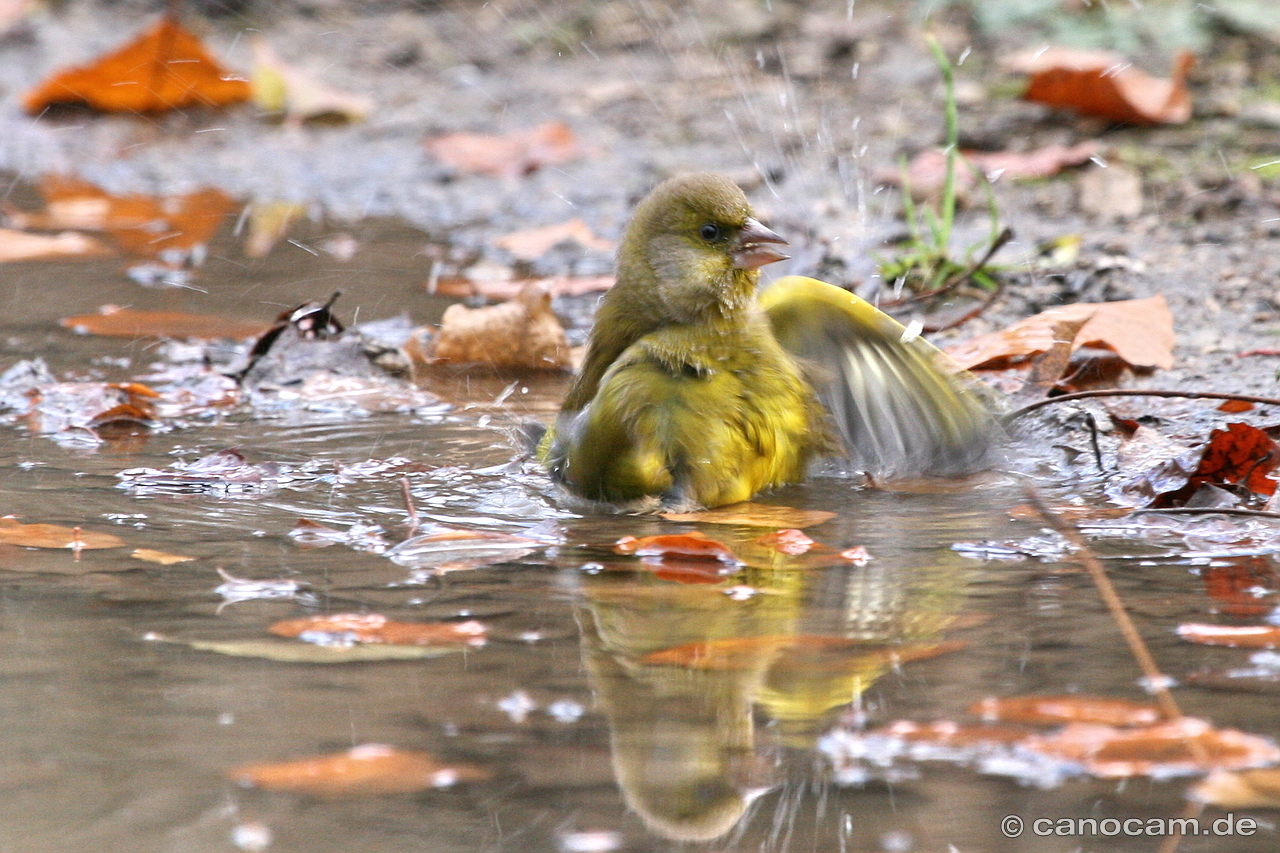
(897, 408)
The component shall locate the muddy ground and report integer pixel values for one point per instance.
(805, 104)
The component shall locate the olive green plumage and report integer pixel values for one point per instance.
(687, 394)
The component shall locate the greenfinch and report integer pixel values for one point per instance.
(697, 393)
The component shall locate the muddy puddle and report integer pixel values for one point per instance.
(610, 706)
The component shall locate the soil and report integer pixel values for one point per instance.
(805, 104)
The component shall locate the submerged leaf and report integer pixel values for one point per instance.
(165, 68)
(685, 545)
(368, 769)
(447, 549)
(1174, 748)
(148, 555)
(117, 322)
(1232, 636)
(13, 532)
(1065, 709)
(345, 629)
(288, 652)
(21, 246)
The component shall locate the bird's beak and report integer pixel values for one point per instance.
(755, 247)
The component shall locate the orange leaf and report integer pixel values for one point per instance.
(696, 545)
(951, 734)
(533, 243)
(165, 68)
(115, 322)
(142, 224)
(787, 541)
(1246, 789)
(370, 768)
(1232, 636)
(1182, 746)
(1235, 407)
(1238, 454)
(21, 246)
(12, 532)
(1105, 84)
(1065, 709)
(1237, 585)
(548, 144)
(376, 628)
(1140, 331)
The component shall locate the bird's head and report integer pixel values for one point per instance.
(694, 239)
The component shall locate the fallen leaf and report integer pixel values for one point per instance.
(787, 541)
(1105, 84)
(1243, 789)
(952, 734)
(282, 651)
(345, 629)
(279, 87)
(1235, 407)
(1050, 366)
(687, 545)
(533, 243)
(750, 514)
(113, 321)
(1113, 194)
(926, 172)
(13, 532)
(21, 246)
(500, 290)
(171, 227)
(1053, 710)
(1232, 636)
(165, 68)
(1244, 587)
(1161, 750)
(149, 555)
(523, 333)
(368, 769)
(550, 144)
(1140, 331)
(269, 221)
(1239, 454)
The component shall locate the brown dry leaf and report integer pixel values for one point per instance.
(163, 69)
(511, 156)
(750, 514)
(116, 322)
(279, 87)
(533, 243)
(13, 532)
(1140, 331)
(951, 734)
(21, 246)
(368, 769)
(1244, 587)
(694, 545)
(1048, 368)
(149, 555)
(1105, 84)
(927, 171)
(1232, 636)
(1164, 749)
(1238, 454)
(523, 333)
(349, 628)
(1054, 710)
(142, 224)
(1245, 789)
(500, 290)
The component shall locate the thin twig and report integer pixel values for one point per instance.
(1204, 510)
(1139, 392)
(968, 315)
(1190, 816)
(1155, 679)
(960, 276)
(408, 505)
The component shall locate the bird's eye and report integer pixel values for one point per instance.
(710, 232)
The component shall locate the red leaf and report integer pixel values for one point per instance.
(1053, 710)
